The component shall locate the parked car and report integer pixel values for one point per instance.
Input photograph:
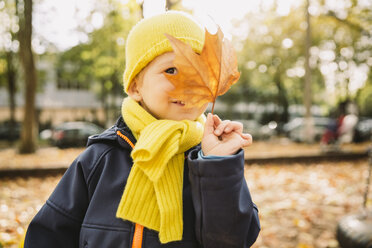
(73, 134)
(296, 128)
(6, 132)
(46, 134)
(259, 131)
(269, 130)
(363, 130)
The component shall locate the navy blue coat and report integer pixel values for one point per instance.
(217, 208)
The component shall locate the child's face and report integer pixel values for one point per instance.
(151, 88)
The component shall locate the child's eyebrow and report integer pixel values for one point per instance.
(166, 64)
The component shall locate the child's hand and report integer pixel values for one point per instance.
(223, 137)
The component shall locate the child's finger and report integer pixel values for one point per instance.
(246, 142)
(230, 126)
(221, 127)
(209, 124)
(217, 120)
(247, 137)
(234, 126)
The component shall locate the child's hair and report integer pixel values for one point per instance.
(146, 40)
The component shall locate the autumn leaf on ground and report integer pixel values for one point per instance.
(201, 78)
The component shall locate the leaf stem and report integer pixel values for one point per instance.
(213, 106)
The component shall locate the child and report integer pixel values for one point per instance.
(146, 182)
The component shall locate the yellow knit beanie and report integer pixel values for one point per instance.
(146, 40)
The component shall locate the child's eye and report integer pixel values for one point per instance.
(172, 70)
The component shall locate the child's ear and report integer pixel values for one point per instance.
(134, 92)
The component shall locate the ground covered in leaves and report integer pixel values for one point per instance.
(55, 157)
(299, 204)
(44, 157)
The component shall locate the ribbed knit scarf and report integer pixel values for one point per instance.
(153, 194)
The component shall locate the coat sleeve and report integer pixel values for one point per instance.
(226, 217)
(58, 222)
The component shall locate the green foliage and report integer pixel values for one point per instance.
(272, 55)
(274, 46)
(270, 47)
(3, 68)
(101, 60)
(7, 17)
(364, 99)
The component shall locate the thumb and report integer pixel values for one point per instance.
(209, 124)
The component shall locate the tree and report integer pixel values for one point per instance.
(347, 34)
(309, 126)
(11, 83)
(29, 127)
(98, 65)
(272, 60)
(364, 98)
(8, 53)
(272, 55)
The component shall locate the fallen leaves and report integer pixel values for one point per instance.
(299, 205)
(20, 199)
(50, 157)
(201, 78)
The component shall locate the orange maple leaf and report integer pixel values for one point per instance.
(201, 78)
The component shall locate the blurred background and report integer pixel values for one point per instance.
(298, 59)
(305, 89)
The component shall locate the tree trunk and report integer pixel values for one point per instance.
(282, 100)
(11, 78)
(104, 103)
(309, 127)
(29, 126)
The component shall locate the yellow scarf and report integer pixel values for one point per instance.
(153, 194)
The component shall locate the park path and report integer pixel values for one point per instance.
(53, 157)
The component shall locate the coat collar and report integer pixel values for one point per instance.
(110, 135)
